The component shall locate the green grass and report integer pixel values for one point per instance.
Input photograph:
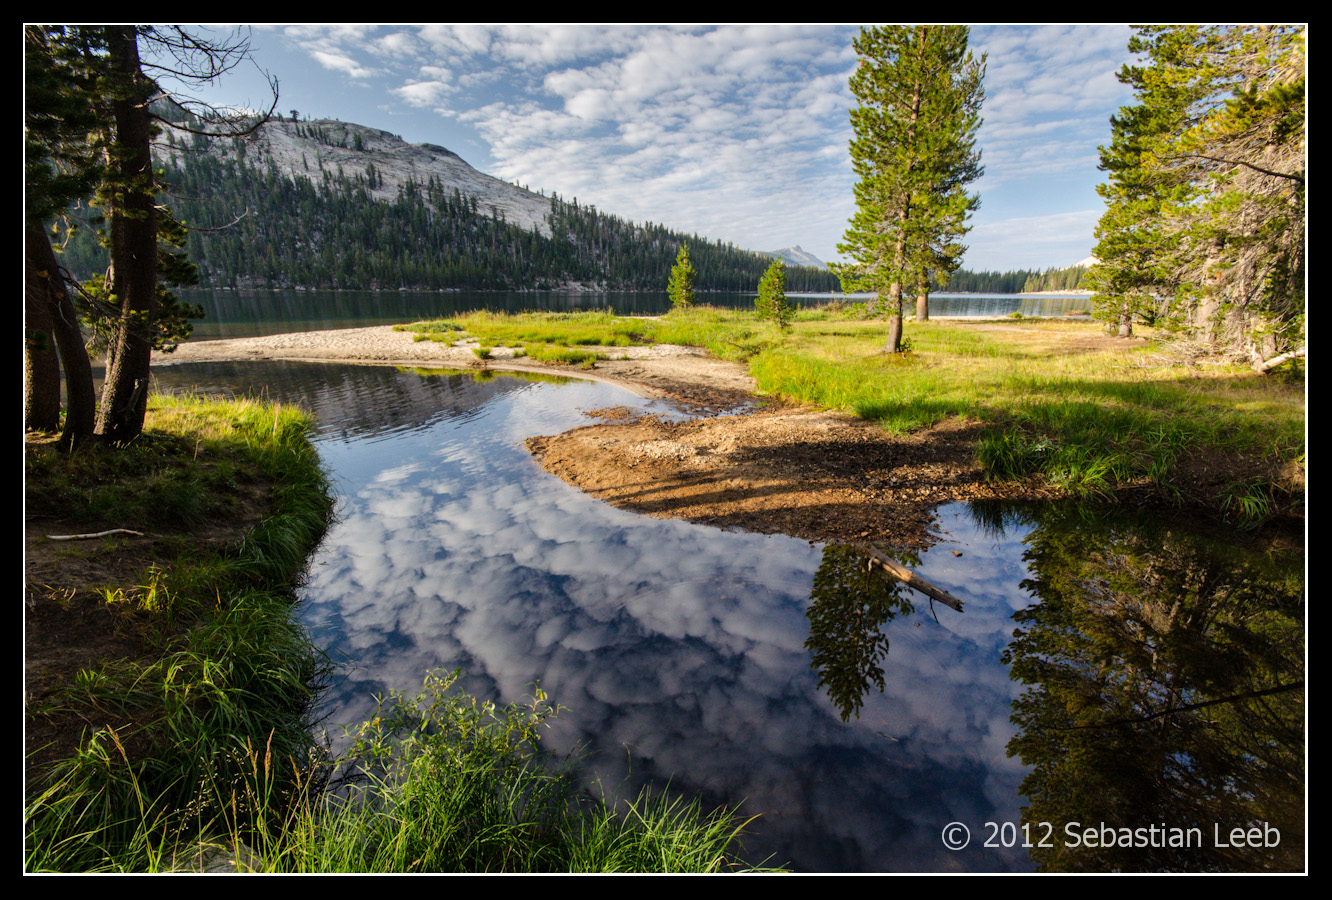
(566, 337)
(232, 669)
(434, 783)
(497, 329)
(445, 783)
(1087, 420)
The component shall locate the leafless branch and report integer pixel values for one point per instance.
(1237, 162)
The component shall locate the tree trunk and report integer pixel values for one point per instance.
(80, 399)
(922, 297)
(41, 366)
(894, 344)
(133, 249)
(1268, 365)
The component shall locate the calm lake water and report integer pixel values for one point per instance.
(255, 313)
(860, 726)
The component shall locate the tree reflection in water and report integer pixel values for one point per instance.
(849, 605)
(1164, 680)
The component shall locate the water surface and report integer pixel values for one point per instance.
(255, 313)
(852, 718)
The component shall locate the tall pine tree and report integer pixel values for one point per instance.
(919, 91)
(1206, 201)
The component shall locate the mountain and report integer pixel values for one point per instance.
(327, 204)
(304, 149)
(794, 256)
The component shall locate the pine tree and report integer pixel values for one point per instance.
(771, 302)
(919, 91)
(681, 284)
(1132, 240)
(60, 167)
(1204, 231)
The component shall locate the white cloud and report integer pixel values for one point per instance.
(422, 93)
(345, 64)
(738, 132)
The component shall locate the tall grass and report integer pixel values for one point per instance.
(233, 668)
(438, 782)
(449, 784)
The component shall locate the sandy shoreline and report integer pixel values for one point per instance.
(687, 375)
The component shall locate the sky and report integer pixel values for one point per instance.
(737, 132)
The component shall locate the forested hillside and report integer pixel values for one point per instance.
(1018, 281)
(331, 226)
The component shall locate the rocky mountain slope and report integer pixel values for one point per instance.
(306, 148)
(795, 256)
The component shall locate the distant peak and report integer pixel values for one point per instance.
(795, 256)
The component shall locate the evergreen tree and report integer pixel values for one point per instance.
(772, 302)
(681, 284)
(108, 94)
(60, 167)
(1206, 189)
(919, 91)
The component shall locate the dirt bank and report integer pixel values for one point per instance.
(685, 374)
(807, 473)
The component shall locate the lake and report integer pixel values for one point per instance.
(1142, 677)
(236, 314)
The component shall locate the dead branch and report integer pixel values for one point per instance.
(911, 579)
(1264, 367)
(97, 534)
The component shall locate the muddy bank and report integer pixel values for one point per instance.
(818, 475)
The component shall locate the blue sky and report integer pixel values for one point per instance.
(735, 132)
